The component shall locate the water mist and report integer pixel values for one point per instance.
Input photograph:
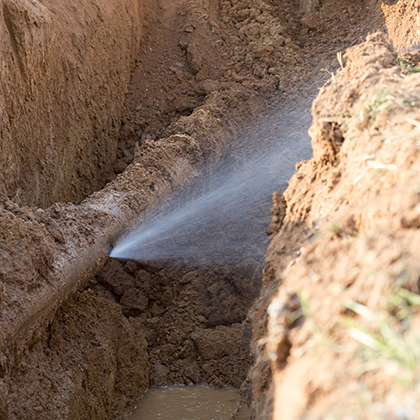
(224, 214)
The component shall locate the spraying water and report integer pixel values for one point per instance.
(224, 215)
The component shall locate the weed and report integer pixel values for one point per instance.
(340, 59)
(378, 102)
(371, 106)
(381, 101)
(335, 228)
(390, 335)
(407, 67)
(329, 117)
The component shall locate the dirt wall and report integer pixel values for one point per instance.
(64, 73)
(343, 289)
(47, 255)
(403, 23)
(90, 355)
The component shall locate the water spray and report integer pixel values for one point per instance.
(227, 208)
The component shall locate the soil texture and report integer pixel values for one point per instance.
(64, 69)
(356, 202)
(77, 342)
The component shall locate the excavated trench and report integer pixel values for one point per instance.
(215, 86)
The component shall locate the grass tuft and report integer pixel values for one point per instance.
(389, 335)
(408, 67)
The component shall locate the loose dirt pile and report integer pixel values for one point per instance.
(191, 317)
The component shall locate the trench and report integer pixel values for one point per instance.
(194, 266)
(192, 281)
(173, 308)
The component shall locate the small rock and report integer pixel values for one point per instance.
(40, 215)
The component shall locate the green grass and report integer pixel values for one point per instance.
(389, 335)
(407, 67)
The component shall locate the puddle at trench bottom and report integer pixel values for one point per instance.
(196, 402)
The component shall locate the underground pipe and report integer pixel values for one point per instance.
(61, 248)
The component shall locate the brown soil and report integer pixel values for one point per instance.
(204, 72)
(89, 352)
(48, 255)
(64, 68)
(356, 200)
(191, 316)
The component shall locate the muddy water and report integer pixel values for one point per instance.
(197, 402)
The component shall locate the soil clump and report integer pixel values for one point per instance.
(191, 317)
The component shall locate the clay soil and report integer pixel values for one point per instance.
(344, 230)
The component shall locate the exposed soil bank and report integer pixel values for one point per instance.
(46, 256)
(357, 201)
(61, 248)
(64, 73)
